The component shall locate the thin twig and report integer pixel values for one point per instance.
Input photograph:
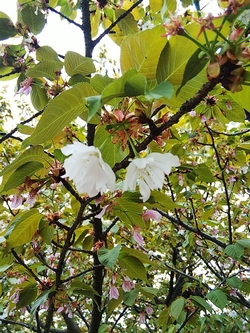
(65, 17)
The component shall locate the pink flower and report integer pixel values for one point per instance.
(142, 317)
(113, 292)
(138, 237)
(25, 86)
(127, 284)
(151, 214)
(149, 310)
(192, 113)
(16, 201)
(180, 178)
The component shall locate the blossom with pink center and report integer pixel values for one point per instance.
(25, 86)
(137, 236)
(127, 284)
(16, 201)
(192, 113)
(113, 292)
(151, 214)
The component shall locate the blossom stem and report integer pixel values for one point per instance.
(131, 144)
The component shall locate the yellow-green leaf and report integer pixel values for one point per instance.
(77, 64)
(7, 28)
(60, 112)
(142, 51)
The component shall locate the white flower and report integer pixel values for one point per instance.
(150, 172)
(87, 169)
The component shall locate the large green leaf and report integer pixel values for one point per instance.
(137, 254)
(77, 64)
(202, 303)
(130, 297)
(129, 212)
(177, 307)
(109, 257)
(128, 25)
(235, 251)
(35, 153)
(22, 228)
(134, 267)
(27, 295)
(60, 112)
(117, 87)
(49, 64)
(142, 51)
(218, 298)
(34, 20)
(20, 174)
(194, 67)
(7, 28)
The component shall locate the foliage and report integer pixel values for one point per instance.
(176, 261)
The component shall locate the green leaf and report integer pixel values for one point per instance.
(130, 297)
(129, 212)
(85, 289)
(111, 153)
(20, 174)
(38, 97)
(234, 282)
(35, 153)
(202, 303)
(235, 251)
(164, 89)
(22, 228)
(193, 67)
(7, 28)
(125, 251)
(6, 261)
(128, 25)
(147, 46)
(161, 200)
(134, 267)
(41, 299)
(177, 307)
(27, 295)
(77, 64)
(117, 87)
(244, 242)
(46, 231)
(93, 104)
(218, 298)
(47, 69)
(204, 174)
(60, 112)
(109, 257)
(136, 85)
(99, 82)
(34, 20)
